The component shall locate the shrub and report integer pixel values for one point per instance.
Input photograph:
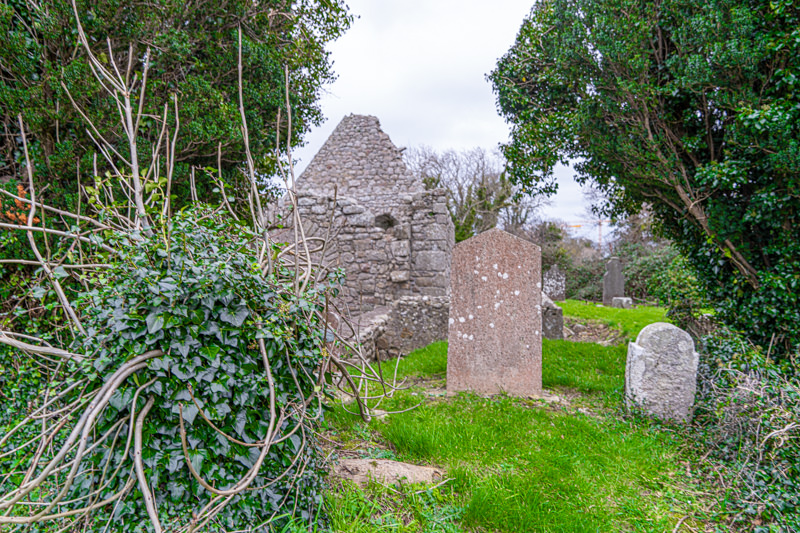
(747, 414)
(235, 368)
(585, 279)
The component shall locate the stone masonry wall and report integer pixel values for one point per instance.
(402, 250)
(413, 322)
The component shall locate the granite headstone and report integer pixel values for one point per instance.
(495, 333)
(554, 284)
(661, 372)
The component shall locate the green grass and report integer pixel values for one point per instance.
(401, 509)
(629, 321)
(585, 367)
(430, 361)
(520, 465)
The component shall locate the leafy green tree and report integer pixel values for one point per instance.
(690, 106)
(191, 52)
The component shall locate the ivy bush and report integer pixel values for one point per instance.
(195, 291)
(747, 414)
(584, 279)
(658, 272)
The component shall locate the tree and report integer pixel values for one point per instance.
(188, 50)
(479, 195)
(689, 106)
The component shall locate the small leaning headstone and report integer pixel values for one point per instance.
(495, 335)
(554, 284)
(661, 372)
(613, 281)
(552, 319)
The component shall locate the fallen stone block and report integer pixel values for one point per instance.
(621, 302)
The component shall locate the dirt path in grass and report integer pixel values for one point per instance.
(580, 330)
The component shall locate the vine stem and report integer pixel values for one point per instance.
(149, 502)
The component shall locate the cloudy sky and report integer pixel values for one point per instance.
(420, 66)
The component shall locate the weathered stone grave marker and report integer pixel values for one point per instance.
(554, 284)
(552, 319)
(495, 334)
(661, 372)
(613, 281)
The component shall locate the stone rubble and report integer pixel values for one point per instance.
(621, 302)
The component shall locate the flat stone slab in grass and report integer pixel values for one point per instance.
(621, 302)
(495, 335)
(661, 372)
(385, 471)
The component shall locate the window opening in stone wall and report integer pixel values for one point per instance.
(385, 221)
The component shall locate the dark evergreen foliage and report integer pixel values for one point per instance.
(689, 106)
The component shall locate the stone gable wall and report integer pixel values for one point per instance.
(361, 160)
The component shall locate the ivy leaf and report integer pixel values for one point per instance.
(222, 410)
(39, 292)
(190, 412)
(175, 461)
(176, 490)
(116, 400)
(218, 387)
(235, 319)
(182, 396)
(241, 420)
(209, 352)
(221, 446)
(196, 458)
(155, 322)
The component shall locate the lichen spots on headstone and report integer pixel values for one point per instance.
(554, 283)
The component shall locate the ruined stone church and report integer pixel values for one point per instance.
(393, 238)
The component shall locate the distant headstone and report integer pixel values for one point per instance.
(621, 302)
(613, 281)
(661, 372)
(554, 284)
(552, 319)
(495, 336)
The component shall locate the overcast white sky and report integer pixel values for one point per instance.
(420, 66)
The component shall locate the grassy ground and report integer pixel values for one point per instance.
(519, 465)
(629, 321)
